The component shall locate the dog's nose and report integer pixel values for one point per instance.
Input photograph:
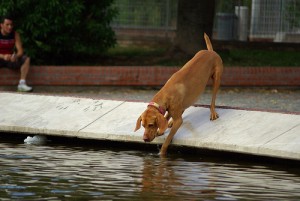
(146, 140)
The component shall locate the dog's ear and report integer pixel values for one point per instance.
(162, 123)
(138, 124)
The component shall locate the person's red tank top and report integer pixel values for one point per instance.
(7, 43)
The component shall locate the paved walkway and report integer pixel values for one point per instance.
(251, 132)
(277, 99)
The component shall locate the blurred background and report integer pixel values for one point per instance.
(245, 32)
(234, 20)
(157, 32)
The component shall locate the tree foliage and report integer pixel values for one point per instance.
(57, 32)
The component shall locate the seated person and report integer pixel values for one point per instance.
(11, 52)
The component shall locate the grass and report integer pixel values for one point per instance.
(260, 58)
(135, 55)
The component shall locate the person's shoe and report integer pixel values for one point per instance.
(24, 88)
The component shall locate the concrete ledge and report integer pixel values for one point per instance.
(250, 132)
(147, 76)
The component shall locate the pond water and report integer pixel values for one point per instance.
(62, 171)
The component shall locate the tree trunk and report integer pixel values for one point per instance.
(193, 19)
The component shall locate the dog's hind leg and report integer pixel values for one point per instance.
(216, 84)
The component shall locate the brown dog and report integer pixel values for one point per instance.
(181, 91)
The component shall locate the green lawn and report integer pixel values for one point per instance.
(260, 58)
(159, 56)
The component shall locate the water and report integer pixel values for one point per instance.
(80, 172)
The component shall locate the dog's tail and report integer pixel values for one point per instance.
(208, 43)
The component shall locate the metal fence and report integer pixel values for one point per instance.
(258, 20)
(145, 20)
(254, 20)
(155, 14)
(275, 20)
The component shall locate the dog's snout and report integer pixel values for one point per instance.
(146, 140)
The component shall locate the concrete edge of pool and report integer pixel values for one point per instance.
(258, 133)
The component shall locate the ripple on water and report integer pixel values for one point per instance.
(55, 172)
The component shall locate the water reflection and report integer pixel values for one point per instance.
(56, 172)
(168, 178)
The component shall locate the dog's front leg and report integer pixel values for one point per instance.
(176, 124)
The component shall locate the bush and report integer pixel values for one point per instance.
(61, 32)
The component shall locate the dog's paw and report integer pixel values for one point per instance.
(214, 116)
(162, 154)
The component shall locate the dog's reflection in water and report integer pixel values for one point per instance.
(164, 177)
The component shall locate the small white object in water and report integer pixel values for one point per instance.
(37, 139)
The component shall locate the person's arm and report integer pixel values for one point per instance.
(19, 46)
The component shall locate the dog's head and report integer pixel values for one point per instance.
(153, 122)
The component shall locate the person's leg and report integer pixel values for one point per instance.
(24, 71)
(25, 68)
